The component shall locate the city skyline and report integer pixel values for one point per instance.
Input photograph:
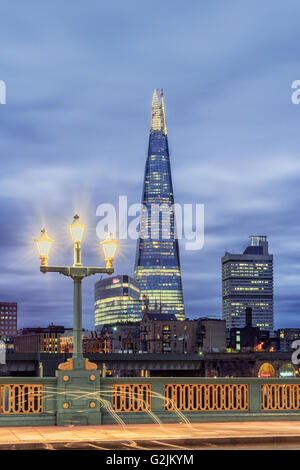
(74, 135)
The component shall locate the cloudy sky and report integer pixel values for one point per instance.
(74, 134)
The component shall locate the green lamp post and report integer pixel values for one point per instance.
(77, 272)
(78, 383)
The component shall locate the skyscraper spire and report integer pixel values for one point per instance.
(163, 111)
(158, 119)
(157, 265)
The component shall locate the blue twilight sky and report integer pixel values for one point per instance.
(74, 134)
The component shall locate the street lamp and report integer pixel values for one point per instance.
(183, 338)
(77, 232)
(77, 272)
(44, 245)
(110, 248)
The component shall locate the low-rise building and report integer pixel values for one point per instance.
(210, 335)
(39, 339)
(92, 342)
(164, 333)
(250, 338)
(118, 333)
(286, 337)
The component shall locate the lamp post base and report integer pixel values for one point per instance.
(78, 397)
(77, 363)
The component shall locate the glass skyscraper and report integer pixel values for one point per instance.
(117, 300)
(247, 281)
(157, 265)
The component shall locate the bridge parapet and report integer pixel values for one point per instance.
(40, 401)
(28, 401)
(169, 399)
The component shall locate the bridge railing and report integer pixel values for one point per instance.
(170, 399)
(35, 401)
(282, 396)
(27, 401)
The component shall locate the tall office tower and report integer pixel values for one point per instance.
(117, 300)
(247, 281)
(8, 319)
(157, 264)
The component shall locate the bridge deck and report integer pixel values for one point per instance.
(151, 436)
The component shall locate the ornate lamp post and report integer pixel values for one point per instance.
(77, 272)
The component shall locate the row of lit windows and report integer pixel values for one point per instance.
(126, 300)
(249, 288)
(242, 282)
(114, 286)
(252, 303)
(159, 271)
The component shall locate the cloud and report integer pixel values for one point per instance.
(75, 127)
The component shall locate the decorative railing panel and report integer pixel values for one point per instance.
(29, 401)
(206, 397)
(131, 397)
(280, 397)
(21, 398)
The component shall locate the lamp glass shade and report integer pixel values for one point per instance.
(77, 230)
(44, 244)
(109, 247)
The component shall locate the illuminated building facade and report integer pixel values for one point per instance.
(46, 340)
(286, 338)
(157, 265)
(247, 281)
(92, 342)
(117, 300)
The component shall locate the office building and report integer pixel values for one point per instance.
(117, 300)
(247, 281)
(157, 265)
(8, 319)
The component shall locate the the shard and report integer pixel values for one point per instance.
(157, 265)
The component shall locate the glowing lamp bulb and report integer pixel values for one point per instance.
(44, 245)
(77, 230)
(109, 248)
